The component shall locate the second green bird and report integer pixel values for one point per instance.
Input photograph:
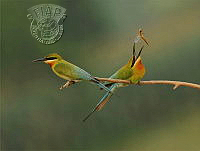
(133, 71)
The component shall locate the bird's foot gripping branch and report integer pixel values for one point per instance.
(67, 84)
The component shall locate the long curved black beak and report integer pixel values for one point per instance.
(139, 52)
(134, 59)
(40, 59)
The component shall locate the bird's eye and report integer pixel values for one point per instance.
(51, 58)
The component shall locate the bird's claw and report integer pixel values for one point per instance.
(138, 83)
(67, 84)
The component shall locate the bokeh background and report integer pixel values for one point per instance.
(37, 116)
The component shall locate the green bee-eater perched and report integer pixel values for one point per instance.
(134, 71)
(69, 71)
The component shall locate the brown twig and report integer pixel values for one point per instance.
(152, 82)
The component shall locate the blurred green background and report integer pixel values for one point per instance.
(36, 115)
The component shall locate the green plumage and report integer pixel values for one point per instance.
(128, 72)
(68, 71)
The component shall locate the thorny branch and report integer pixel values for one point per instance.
(152, 82)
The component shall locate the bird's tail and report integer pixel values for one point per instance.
(102, 102)
(101, 85)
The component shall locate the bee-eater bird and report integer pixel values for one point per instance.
(133, 71)
(69, 71)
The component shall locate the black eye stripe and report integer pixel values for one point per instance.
(51, 58)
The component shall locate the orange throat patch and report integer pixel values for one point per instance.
(140, 66)
(51, 63)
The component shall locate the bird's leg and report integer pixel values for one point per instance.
(67, 84)
(138, 83)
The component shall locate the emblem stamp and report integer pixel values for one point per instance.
(46, 22)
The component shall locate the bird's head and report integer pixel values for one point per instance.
(49, 59)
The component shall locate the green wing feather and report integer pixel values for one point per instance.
(68, 71)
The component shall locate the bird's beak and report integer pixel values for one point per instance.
(40, 59)
(139, 52)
